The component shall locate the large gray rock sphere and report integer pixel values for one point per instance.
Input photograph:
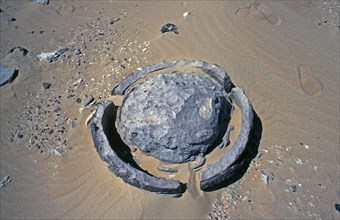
(173, 116)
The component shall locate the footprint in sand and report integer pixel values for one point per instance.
(307, 82)
(259, 11)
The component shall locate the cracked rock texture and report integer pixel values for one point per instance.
(174, 116)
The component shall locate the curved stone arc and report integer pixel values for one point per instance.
(124, 170)
(134, 77)
(213, 70)
(225, 167)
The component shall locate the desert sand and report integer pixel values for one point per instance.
(283, 54)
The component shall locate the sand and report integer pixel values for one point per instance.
(283, 54)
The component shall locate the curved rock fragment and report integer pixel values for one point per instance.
(100, 129)
(225, 167)
(212, 70)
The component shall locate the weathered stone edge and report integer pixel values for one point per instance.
(225, 167)
(124, 170)
(213, 70)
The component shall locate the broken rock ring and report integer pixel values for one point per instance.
(175, 116)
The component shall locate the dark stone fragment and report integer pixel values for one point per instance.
(42, 2)
(78, 100)
(46, 85)
(21, 49)
(10, 18)
(1, 10)
(337, 207)
(294, 188)
(77, 51)
(114, 20)
(88, 100)
(63, 50)
(41, 32)
(50, 131)
(169, 28)
(73, 124)
(7, 75)
(20, 135)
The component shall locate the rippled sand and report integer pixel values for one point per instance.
(281, 53)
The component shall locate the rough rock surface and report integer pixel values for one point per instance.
(226, 167)
(119, 164)
(174, 116)
(179, 117)
(213, 70)
(7, 74)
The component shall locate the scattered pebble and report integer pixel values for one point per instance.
(264, 178)
(20, 135)
(42, 2)
(114, 20)
(56, 152)
(46, 85)
(5, 181)
(88, 100)
(77, 51)
(337, 207)
(169, 28)
(49, 57)
(78, 100)
(10, 18)
(78, 82)
(186, 14)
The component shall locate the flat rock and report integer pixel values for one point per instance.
(7, 75)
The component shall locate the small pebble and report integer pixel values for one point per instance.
(88, 100)
(73, 124)
(114, 20)
(11, 18)
(264, 178)
(20, 135)
(56, 152)
(77, 51)
(78, 100)
(186, 14)
(46, 85)
(5, 181)
(337, 207)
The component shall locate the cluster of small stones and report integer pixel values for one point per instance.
(222, 170)
(238, 201)
(98, 46)
(43, 125)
